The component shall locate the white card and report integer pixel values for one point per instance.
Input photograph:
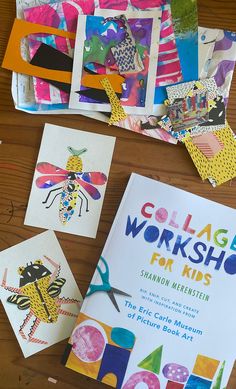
(138, 88)
(70, 181)
(38, 292)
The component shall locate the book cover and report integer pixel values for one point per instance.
(159, 311)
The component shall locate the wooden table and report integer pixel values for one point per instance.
(21, 135)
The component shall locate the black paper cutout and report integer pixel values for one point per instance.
(49, 58)
(217, 114)
(98, 95)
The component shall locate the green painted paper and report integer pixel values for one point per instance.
(153, 361)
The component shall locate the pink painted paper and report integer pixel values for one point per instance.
(62, 15)
(169, 69)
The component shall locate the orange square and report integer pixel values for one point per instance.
(205, 366)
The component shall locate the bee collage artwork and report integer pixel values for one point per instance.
(145, 66)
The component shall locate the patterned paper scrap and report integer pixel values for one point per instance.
(220, 168)
(179, 91)
(117, 111)
(208, 144)
(125, 52)
(189, 111)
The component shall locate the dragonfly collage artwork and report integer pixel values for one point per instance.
(116, 117)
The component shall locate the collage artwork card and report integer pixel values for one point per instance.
(70, 181)
(38, 292)
(104, 46)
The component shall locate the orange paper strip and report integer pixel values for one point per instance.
(94, 81)
(14, 61)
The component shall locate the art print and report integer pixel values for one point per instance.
(69, 184)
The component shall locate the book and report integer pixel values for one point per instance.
(160, 307)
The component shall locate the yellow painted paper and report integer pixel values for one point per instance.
(117, 111)
(222, 167)
(205, 367)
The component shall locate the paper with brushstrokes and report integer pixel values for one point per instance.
(185, 22)
(206, 42)
(26, 102)
(63, 16)
(95, 37)
(223, 61)
(168, 61)
(22, 85)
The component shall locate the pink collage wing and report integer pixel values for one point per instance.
(48, 168)
(92, 191)
(96, 178)
(45, 182)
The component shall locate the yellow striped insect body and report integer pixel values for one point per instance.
(38, 291)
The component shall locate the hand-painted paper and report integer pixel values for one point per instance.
(223, 61)
(206, 42)
(96, 36)
(169, 69)
(70, 181)
(62, 15)
(221, 167)
(185, 23)
(38, 292)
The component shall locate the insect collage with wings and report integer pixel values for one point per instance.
(74, 183)
(38, 292)
(67, 195)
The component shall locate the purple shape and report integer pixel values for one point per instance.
(175, 372)
(223, 69)
(224, 44)
(114, 361)
(230, 35)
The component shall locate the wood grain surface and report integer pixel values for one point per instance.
(21, 135)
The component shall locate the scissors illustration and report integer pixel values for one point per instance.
(106, 286)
